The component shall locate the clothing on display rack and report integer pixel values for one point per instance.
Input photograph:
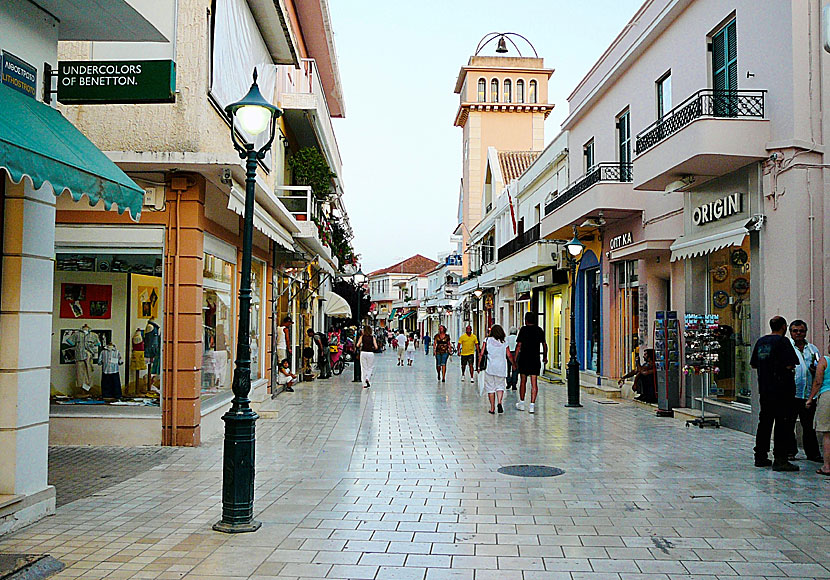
(110, 360)
(86, 345)
(152, 346)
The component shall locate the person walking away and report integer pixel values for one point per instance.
(645, 378)
(529, 344)
(468, 347)
(495, 374)
(367, 345)
(426, 343)
(441, 344)
(410, 349)
(774, 358)
(513, 370)
(286, 377)
(283, 339)
(322, 343)
(401, 340)
(808, 356)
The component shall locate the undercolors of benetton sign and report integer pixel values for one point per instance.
(116, 82)
(19, 74)
(718, 209)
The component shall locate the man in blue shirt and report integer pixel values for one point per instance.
(808, 356)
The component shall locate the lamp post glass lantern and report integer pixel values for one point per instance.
(358, 278)
(253, 115)
(575, 249)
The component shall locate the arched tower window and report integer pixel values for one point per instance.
(520, 91)
(482, 90)
(507, 85)
(531, 96)
(494, 90)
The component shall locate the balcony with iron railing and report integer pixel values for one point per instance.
(518, 243)
(709, 134)
(300, 90)
(614, 172)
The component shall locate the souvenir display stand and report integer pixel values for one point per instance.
(666, 340)
(701, 350)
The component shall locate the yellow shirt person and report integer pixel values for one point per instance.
(468, 344)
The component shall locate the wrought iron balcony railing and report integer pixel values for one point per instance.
(620, 172)
(705, 103)
(520, 242)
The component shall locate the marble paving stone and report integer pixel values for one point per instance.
(400, 481)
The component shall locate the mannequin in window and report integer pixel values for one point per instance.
(152, 351)
(137, 362)
(86, 346)
(110, 360)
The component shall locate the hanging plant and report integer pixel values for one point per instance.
(309, 167)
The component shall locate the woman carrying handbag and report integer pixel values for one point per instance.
(367, 346)
(493, 361)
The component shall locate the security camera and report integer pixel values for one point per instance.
(226, 176)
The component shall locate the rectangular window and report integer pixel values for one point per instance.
(588, 154)
(664, 95)
(257, 279)
(624, 141)
(217, 325)
(725, 70)
(628, 312)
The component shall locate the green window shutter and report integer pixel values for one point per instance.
(725, 69)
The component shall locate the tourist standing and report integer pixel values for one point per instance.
(468, 348)
(513, 370)
(283, 339)
(426, 343)
(367, 345)
(495, 373)
(821, 393)
(808, 357)
(775, 360)
(441, 347)
(321, 341)
(401, 340)
(529, 344)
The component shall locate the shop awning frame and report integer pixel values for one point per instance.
(685, 248)
(336, 306)
(37, 142)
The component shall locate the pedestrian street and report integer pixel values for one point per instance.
(400, 481)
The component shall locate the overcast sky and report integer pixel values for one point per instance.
(398, 63)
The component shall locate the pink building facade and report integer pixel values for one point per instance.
(696, 159)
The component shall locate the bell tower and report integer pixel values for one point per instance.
(503, 103)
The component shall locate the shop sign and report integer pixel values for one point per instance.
(19, 74)
(116, 82)
(720, 208)
(621, 241)
(488, 302)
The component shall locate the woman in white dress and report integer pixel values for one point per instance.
(410, 350)
(367, 346)
(495, 373)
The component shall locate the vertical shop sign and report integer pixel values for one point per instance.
(19, 74)
(643, 314)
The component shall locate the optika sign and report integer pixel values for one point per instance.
(621, 241)
(718, 209)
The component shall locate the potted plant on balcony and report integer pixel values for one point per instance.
(309, 167)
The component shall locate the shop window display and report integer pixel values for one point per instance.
(257, 278)
(628, 315)
(728, 289)
(97, 304)
(217, 326)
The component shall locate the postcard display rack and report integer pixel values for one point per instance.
(667, 361)
(702, 358)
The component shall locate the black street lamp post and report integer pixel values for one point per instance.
(253, 114)
(358, 278)
(575, 249)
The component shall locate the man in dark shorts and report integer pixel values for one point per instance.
(321, 341)
(775, 360)
(529, 344)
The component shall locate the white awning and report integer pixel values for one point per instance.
(336, 306)
(262, 220)
(685, 248)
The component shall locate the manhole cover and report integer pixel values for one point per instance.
(531, 470)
